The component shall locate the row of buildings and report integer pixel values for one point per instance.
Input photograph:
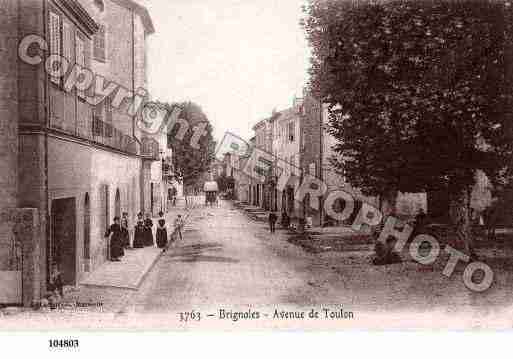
(68, 167)
(298, 140)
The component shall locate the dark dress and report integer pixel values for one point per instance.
(161, 234)
(116, 241)
(125, 234)
(148, 234)
(139, 235)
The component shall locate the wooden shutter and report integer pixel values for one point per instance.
(55, 39)
(80, 57)
(67, 42)
(99, 44)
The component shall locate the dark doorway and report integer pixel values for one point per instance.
(151, 198)
(117, 204)
(87, 232)
(63, 254)
(290, 199)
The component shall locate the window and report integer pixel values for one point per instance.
(108, 117)
(97, 121)
(67, 42)
(99, 52)
(312, 169)
(55, 39)
(290, 131)
(80, 58)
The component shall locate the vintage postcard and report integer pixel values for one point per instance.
(241, 165)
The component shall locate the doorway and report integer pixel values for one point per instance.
(63, 253)
(87, 232)
(117, 204)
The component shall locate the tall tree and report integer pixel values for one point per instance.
(190, 160)
(420, 93)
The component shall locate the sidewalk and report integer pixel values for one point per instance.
(127, 274)
(130, 272)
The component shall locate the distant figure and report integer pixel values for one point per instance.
(179, 225)
(56, 285)
(174, 193)
(148, 233)
(139, 232)
(285, 219)
(272, 221)
(161, 236)
(116, 240)
(124, 230)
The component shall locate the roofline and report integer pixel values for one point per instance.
(141, 11)
(81, 14)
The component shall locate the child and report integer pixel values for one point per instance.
(178, 226)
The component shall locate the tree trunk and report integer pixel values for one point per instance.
(460, 217)
(384, 252)
(388, 202)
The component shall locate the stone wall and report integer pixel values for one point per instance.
(19, 252)
(8, 103)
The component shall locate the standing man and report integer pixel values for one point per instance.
(173, 195)
(179, 225)
(272, 221)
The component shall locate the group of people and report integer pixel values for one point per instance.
(273, 218)
(143, 234)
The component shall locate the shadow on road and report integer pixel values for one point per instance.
(195, 253)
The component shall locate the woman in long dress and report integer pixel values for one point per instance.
(124, 230)
(148, 233)
(161, 235)
(116, 241)
(139, 232)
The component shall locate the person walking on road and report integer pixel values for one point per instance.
(272, 221)
(179, 225)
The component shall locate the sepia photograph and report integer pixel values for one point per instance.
(255, 165)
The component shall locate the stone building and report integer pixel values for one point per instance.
(263, 141)
(286, 150)
(317, 150)
(73, 160)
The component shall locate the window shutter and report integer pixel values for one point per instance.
(80, 57)
(55, 39)
(67, 42)
(99, 44)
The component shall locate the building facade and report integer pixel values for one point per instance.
(287, 153)
(74, 160)
(316, 154)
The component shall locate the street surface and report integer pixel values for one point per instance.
(230, 263)
(229, 268)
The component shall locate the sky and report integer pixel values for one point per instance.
(237, 59)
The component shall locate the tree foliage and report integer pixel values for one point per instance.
(420, 90)
(189, 162)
